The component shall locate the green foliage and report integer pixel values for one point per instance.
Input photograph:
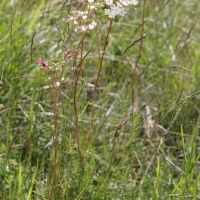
(139, 161)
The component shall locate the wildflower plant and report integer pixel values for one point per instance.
(83, 22)
(80, 22)
(104, 104)
(56, 80)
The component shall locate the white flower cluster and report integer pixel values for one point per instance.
(85, 28)
(80, 21)
(94, 6)
(92, 25)
(129, 2)
(117, 8)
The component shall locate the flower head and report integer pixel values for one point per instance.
(92, 25)
(109, 2)
(117, 8)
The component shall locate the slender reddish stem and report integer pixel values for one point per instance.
(93, 96)
(78, 77)
(55, 143)
(76, 114)
(77, 10)
(136, 64)
(76, 4)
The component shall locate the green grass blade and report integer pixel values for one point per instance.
(195, 186)
(35, 16)
(32, 183)
(156, 186)
(20, 179)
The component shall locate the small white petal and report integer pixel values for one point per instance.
(94, 23)
(92, 7)
(57, 84)
(91, 26)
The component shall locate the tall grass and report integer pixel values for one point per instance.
(127, 128)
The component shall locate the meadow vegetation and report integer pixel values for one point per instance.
(119, 123)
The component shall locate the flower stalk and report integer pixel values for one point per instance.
(93, 96)
(76, 115)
